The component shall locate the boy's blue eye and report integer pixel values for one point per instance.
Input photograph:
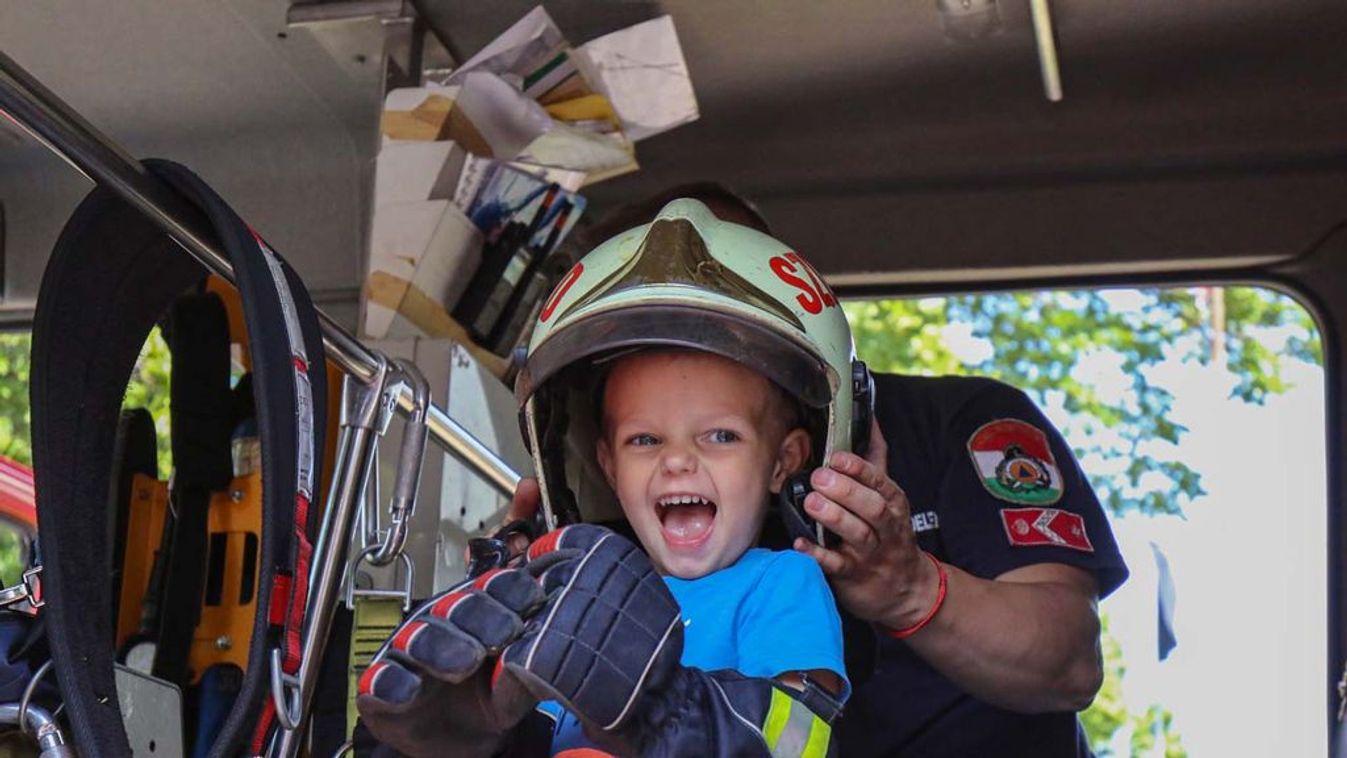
(724, 435)
(642, 440)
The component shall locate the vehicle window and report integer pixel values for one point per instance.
(1199, 416)
(14, 545)
(148, 389)
(17, 516)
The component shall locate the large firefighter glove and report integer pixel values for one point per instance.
(607, 646)
(433, 689)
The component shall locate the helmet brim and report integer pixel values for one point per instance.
(756, 346)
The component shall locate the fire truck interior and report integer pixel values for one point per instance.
(917, 149)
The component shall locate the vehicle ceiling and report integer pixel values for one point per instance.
(1191, 133)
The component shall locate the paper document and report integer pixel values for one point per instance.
(534, 57)
(507, 119)
(600, 156)
(642, 72)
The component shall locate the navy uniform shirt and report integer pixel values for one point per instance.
(993, 488)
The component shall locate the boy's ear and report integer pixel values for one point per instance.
(605, 455)
(790, 457)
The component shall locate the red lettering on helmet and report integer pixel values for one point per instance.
(828, 299)
(808, 298)
(561, 291)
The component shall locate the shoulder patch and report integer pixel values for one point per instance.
(1014, 462)
(1031, 527)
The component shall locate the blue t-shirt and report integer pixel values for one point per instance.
(766, 614)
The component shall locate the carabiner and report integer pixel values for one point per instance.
(286, 694)
(410, 457)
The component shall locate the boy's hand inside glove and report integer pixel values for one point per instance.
(599, 632)
(608, 645)
(609, 633)
(427, 691)
(585, 621)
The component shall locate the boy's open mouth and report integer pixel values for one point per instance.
(686, 519)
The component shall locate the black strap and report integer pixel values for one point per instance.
(111, 276)
(134, 452)
(201, 421)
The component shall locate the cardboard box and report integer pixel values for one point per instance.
(422, 256)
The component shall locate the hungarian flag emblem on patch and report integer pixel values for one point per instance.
(1015, 463)
(1046, 526)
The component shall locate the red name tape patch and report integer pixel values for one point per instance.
(1032, 527)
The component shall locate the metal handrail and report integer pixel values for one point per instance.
(53, 123)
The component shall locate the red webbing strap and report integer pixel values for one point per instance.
(289, 598)
(290, 587)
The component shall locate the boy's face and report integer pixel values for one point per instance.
(693, 444)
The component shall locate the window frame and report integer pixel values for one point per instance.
(1317, 280)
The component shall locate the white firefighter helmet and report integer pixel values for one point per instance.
(686, 280)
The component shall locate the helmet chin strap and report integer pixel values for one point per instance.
(862, 407)
(790, 507)
(547, 436)
(790, 501)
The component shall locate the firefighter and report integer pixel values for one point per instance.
(976, 548)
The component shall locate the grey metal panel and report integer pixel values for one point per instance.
(150, 709)
(284, 130)
(951, 235)
(1189, 130)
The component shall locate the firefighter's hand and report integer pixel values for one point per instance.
(511, 539)
(878, 572)
(523, 506)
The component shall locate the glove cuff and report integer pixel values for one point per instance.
(727, 713)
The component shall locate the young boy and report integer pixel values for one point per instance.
(700, 364)
(696, 447)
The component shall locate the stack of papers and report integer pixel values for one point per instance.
(477, 176)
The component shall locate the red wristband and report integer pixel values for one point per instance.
(939, 601)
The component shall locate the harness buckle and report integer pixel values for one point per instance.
(404, 594)
(28, 589)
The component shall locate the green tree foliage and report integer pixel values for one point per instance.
(148, 389)
(1109, 713)
(1038, 341)
(11, 555)
(1253, 313)
(14, 416)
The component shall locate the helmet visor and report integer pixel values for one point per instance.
(754, 345)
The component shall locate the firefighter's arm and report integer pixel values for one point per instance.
(607, 646)
(1027, 641)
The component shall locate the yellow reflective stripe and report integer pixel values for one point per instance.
(817, 746)
(777, 717)
(793, 731)
(375, 619)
